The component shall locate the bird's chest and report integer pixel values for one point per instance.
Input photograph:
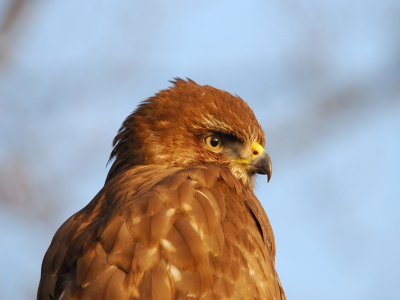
(244, 267)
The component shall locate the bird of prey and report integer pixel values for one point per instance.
(177, 217)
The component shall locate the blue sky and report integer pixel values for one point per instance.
(323, 78)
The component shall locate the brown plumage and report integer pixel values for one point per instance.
(177, 217)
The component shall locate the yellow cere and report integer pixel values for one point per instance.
(256, 151)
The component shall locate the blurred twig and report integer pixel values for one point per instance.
(10, 27)
(333, 112)
(19, 192)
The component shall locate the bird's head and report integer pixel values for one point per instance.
(188, 125)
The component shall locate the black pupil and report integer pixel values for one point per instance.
(214, 141)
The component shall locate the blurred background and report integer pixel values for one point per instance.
(323, 78)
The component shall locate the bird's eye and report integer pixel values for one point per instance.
(214, 142)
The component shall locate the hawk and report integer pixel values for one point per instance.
(177, 217)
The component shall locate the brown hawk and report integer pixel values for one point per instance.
(177, 217)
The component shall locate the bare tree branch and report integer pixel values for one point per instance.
(11, 27)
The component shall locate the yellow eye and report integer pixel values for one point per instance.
(214, 142)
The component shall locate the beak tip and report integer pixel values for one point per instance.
(262, 165)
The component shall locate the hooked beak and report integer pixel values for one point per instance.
(261, 164)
